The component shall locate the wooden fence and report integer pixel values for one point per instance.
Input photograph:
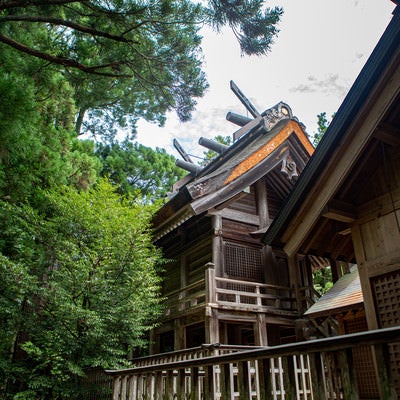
(237, 294)
(206, 350)
(314, 370)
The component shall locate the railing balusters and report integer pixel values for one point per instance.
(209, 383)
(123, 387)
(382, 359)
(180, 384)
(317, 377)
(289, 377)
(313, 370)
(243, 380)
(225, 382)
(132, 387)
(116, 387)
(345, 361)
(264, 379)
(158, 385)
(194, 384)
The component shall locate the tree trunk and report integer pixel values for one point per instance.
(79, 120)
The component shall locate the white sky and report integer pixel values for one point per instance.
(320, 49)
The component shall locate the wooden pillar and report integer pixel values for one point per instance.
(345, 360)
(211, 314)
(294, 280)
(263, 215)
(217, 245)
(385, 381)
(212, 326)
(362, 265)
(335, 269)
(183, 271)
(154, 346)
(262, 203)
(260, 332)
(210, 283)
(179, 330)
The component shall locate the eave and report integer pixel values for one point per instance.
(252, 157)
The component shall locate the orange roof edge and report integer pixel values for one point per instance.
(292, 127)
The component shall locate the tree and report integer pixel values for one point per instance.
(78, 288)
(38, 146)
(322, 279)
(210, 154)
(137, 169)
(130, 59)
(323, 125)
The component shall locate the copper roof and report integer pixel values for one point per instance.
(344, 294)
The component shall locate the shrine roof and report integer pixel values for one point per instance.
(344, 294)
(274, 137)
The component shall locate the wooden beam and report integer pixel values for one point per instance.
(232, 199)
(388, 134)
(339, 211)
(235, 215)
(262, 203)
(254, 124)
(345, 232)
(316, 234)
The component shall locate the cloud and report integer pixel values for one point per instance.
(331, 84)
(205, 122)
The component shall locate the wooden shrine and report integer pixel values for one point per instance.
(222, 284)
(242, 239)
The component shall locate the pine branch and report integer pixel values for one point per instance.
(66, 62)
(7, 4)
(63, 22)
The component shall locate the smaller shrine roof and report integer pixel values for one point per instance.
(344, 294)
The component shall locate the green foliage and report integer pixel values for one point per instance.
(253, 27)
(78, 272)
(137, 169)
(210, 154)
(38, 148)
(322, 279)
(129, 59)
(323, 125)
(79, 288)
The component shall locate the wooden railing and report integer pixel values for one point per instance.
(321, 369)
(253, 295)
(206, 350)
(187, 298)
(237, 294)
(308, 296)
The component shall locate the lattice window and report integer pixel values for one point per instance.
(243, 262)
(387, 299)
(363, 361)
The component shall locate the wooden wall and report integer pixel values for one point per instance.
(376, 237)
(187, 250)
